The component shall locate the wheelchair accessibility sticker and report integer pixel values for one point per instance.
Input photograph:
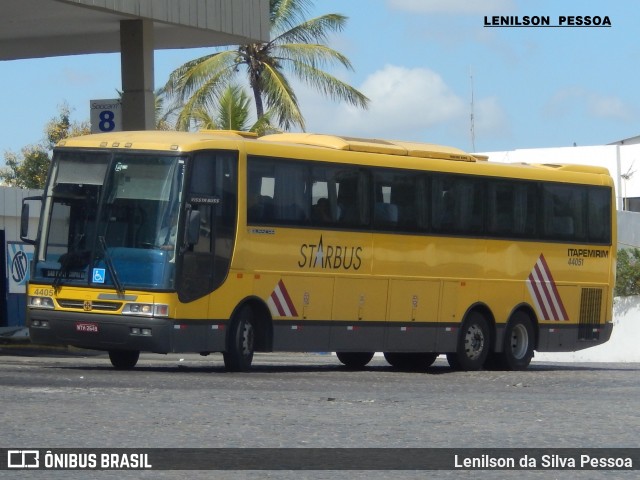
(98, 275)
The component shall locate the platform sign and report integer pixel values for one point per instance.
(19, 257)
(106, 115)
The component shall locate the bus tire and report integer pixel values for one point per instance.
(354, 359)
(411, 360)
(240, 342)
(124, 359)
(474, 344)
(519, 340)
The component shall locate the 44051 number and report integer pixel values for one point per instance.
(43, 292)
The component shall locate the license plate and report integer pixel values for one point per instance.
(87, 327)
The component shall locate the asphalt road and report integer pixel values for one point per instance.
(56, 399)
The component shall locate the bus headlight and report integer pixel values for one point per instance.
(40, 302)
(146, 309)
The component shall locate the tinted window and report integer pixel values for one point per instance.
(278, 192)
(511, 208)
(401, 201)
(564, 208)
(290, 192)
(282, 192)
(600, 215)
(457, 204)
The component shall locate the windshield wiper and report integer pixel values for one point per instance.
(110, 266)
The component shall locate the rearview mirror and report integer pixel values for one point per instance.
(25, 220)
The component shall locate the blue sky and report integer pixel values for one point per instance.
(415, 59)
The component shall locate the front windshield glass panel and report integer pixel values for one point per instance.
(111, 220)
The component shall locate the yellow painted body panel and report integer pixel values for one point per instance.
(367, 276)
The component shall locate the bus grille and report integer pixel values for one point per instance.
(100, 306)
(590, 307)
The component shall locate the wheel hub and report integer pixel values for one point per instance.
(474, 342)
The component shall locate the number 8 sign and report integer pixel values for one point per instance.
(106, 115)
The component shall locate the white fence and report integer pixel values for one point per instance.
(623, 345)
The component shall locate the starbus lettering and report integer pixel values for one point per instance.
(331, 257)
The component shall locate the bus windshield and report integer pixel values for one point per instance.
(111, 219)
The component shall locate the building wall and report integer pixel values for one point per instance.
(628, 229)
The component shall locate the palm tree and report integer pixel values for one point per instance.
(297, 47)
(232, 113)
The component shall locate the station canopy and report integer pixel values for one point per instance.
(46, 28)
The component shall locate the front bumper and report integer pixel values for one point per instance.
(124, 332)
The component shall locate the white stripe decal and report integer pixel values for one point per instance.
(279, 302)
(544, 292)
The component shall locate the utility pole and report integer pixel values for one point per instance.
(472, 119)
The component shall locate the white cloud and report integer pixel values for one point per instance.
(403, 104)
(406, 100)
(465, 7)
(597, 105)
(406, 104)
(608, 106)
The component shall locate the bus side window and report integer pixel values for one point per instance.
(400, 201)
(260, 185)
(564, 208)
(501, 206)
(277, 192)
(353, 197)
(385, 213)
(599, 215)
(409, 193)
(325, 210)
(291, 195)
(458, 204)
(525, 208)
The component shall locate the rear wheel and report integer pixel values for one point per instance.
(474, 343)
(410, 360)
(519, 340)
(240, 342)
(124, 359)
(355, 359)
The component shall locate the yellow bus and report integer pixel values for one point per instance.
(220, 241)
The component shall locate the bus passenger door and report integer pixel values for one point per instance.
(212, 193)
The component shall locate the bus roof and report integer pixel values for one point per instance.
(164, 140)
(186, 141)
(206, 139)
(388, 147)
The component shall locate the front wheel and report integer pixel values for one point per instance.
(474, 343)
(240, 342)
(124, 359)
(355, 359)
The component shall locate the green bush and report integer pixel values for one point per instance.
(628, 273)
